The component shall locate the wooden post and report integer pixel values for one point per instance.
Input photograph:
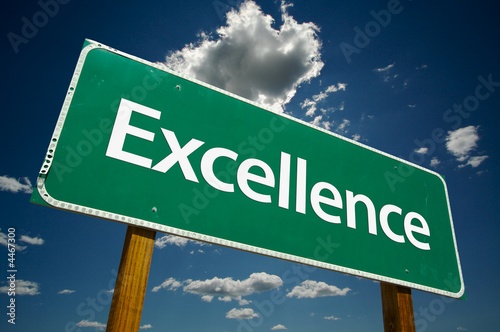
(130, 288)
(397, 307)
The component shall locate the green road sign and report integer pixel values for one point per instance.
(138, 144)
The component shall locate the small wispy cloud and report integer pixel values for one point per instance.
(38, 241)
(15, 185)
(146, 327)
(163, 241)
(23, 287)
(278, 327)
(422, 150)
(311, 105)
(66, 291)
(331, 318)
(435, 161)
(23, 238)
(384, 69)
(85, 323)
(169, 284)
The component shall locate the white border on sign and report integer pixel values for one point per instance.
(205, 238)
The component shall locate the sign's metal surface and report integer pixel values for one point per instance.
(138, 144)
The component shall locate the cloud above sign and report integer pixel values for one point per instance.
(250, 58)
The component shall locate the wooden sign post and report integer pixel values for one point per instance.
(397, 307)
(130, 288)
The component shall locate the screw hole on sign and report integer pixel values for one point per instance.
(178, 87)
(154, 209)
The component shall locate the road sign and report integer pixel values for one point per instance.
(139, 144)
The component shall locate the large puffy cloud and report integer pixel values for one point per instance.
(229, 289)
(226, 289)
(250, 58)
(313, 289)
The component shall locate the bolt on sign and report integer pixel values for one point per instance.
(141, 145)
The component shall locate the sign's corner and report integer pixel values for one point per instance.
(36, 197)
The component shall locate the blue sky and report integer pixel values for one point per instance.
(422, 84)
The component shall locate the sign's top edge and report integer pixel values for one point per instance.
(94, 44)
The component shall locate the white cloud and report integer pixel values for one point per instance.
(475, 161)
(32, 240)
(169, 284)
(384, 69)
(207, 298)
(66, 291)
(228, 288)
(23, 287)
(14, 185)
(435, 161)
(422, 150)
(85, 323)
(145, 327)
(225, 289)
(343, 126)
(314, 289)
(311, 105)
(331, 318)
(356, 137)
(325, 124)
(424, 66)
(252, 59)
(462, 142)
(245, 313)
(4, 240)
(460, 328)
(412, 105)
(278, 327)
(175, 240)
